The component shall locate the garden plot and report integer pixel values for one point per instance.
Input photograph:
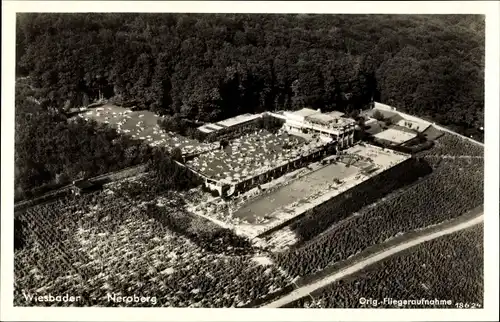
(142, 125)
(105, 244)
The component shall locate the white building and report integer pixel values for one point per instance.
(331, 125)
(231, 123)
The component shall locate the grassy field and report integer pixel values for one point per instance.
(432, 133)
(142, 125)
(374, 127)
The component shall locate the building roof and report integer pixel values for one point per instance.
(379, 105)
(83, 184)
(238, 120)
(305, 112)
(321, 118)
(210, 127)
(214, 127)
(335, 114)
(205, 129)
(333, 119)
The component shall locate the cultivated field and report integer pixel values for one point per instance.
(447, 268)
(129, 240)
(454, 187)
(432, 133)
(142, 125)
(452, 145)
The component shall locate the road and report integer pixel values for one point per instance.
(338, 275)
(56, 194)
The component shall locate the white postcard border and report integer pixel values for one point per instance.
(489, 8)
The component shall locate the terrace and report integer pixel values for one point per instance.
(381, 158)
(332, 122)
(143, 125)
(209, 128)
(335, 114)
(257, 215)
(395, 135)
(397, 117)
(320, 118)
(251, 155)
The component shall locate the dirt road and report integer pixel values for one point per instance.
(307, 289)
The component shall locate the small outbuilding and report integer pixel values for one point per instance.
(83, 186)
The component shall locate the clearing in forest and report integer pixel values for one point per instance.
(143, 125)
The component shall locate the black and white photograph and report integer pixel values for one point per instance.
(250, 160)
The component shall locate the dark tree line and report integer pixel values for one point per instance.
(51, 150)
(213, 66)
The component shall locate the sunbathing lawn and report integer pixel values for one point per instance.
(143, 125)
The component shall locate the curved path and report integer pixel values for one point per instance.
(309, 288)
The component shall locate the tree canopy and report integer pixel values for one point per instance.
(211, 66)
(51, 150)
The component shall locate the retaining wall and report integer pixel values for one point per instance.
(318, 218)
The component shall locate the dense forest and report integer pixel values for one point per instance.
(206, 67)
(51, 150)
(213, 66)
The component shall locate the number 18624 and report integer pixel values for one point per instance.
(466, 305)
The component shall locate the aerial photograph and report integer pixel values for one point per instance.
(249, 160)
